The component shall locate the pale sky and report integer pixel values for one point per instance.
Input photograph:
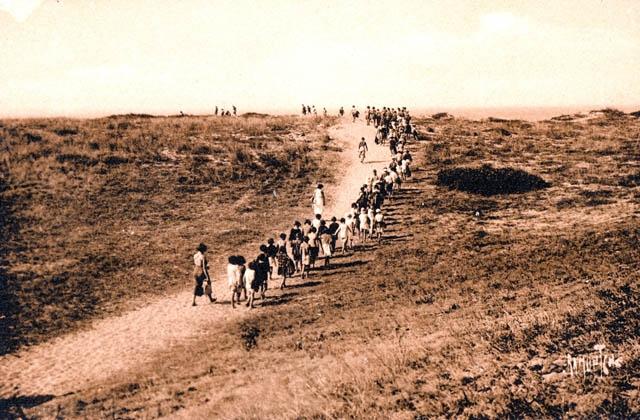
(98, 57)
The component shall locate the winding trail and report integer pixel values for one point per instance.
(118, 344)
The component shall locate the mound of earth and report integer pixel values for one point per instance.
(442, 116)
(500, 130)
(487, 180)
(254, 115)
(564, 117)
(608, 112)
(131, 115)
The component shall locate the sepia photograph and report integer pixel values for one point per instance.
(296, 209)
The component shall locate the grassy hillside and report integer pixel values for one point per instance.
(469, 308)
(96, 212)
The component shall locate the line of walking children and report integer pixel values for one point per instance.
(316, 238)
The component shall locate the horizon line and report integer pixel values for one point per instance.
(419, 110)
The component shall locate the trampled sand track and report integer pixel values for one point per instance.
(116, 345)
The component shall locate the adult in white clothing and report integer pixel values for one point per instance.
(318, 200)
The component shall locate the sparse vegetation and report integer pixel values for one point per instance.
(469, 308)
(87, 203)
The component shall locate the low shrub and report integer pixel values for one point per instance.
(487, 180)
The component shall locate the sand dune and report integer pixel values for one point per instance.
(116, 345)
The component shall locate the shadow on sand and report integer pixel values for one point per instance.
(305, 284)
(12, 408)
(278, 300)
(338, 265)
(396, 238)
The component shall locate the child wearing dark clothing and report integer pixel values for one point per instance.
(263, 268)
(295, 240)
(333, 231)
(271, 252)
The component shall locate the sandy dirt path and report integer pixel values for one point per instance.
(118, 344)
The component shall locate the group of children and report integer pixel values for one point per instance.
(311, 110)
(226, 113)
(315, 239)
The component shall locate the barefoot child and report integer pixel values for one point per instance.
(233, 279)
(364, 225)
(306, 258)
(295, 240)
(341, 234)
(325, 241)
(379, 224)
(262, 270)
(250, 283)
(242, 267)
(314, 247)
(283, 259)
(362, 150)
(370, 215)
(271, 253)
(200, 274)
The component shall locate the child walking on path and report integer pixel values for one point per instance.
(325, 240)
(200, 274)
(314, 247)
(282, 258)
(300, 249)
(364, 225)
(262, 271)
(379, 224)
(306, 257)
(234, 279)
(362, 150)
(250, 283)
(295, 240)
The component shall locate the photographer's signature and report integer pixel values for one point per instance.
(598, 362)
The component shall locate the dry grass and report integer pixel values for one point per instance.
(454, 315)
(96, 212)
